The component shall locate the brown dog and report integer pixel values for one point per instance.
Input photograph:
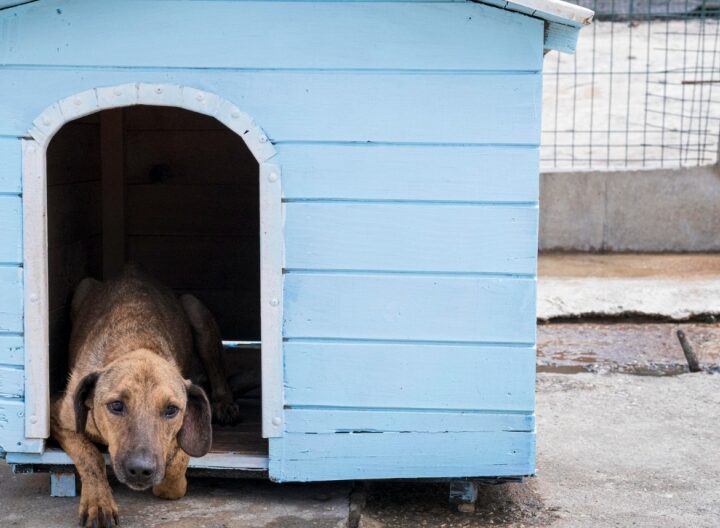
(131, 354)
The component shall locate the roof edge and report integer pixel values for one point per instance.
(551, 10)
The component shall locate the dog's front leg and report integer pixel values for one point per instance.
(97, 506)
(174, 485)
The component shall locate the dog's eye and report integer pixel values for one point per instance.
(170, 411)
(116, 407)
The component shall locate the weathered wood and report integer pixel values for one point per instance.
(113, 191)
(410, 172)
(409, 307)
(335, 420)
(362, 35)
(411, 237)
(12, 429)
(11, 299)
(407, 376)
(464, 494)
(10, 229)
(11, 350)
(304, 106)
(307, 457)
(12, 382)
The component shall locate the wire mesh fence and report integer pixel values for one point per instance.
(642, 91)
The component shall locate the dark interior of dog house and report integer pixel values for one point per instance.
(176, 193)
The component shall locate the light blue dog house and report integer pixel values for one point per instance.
(352, 186)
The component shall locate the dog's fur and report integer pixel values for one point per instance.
(131, 354)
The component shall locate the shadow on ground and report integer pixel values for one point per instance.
(406, 505)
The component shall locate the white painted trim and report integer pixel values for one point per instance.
(550, 10)
(57, 457)
(36, 330)
(35, 253)
(271, 300)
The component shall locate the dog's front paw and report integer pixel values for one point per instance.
(225, 412)
(97, 507)
(171, 489)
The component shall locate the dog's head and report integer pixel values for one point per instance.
(145, 410)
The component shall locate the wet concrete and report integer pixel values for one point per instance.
(632, 348)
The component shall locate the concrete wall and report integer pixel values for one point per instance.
(652, 210)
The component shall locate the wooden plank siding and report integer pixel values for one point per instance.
(409, 376)
(388, 107)
(258, 35)
(11, 299)
(308, 457)
(10, 165)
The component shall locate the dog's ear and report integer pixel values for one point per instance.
(83, 392)
(195, 436)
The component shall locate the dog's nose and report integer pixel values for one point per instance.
(140, 466)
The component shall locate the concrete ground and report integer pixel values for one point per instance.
(672, 287)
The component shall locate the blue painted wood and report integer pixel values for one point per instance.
(12, 382)
(311, 420)
(11, 350)
(389, 35)
(411, 237)
(306, 457)
(308, 106)
(409, 172)
(12, 429)
(409, 376)
(409, 307)
(10, 165)
(63, 484)
(11, 299)
(10, 229)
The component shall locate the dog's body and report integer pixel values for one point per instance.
(131, 365)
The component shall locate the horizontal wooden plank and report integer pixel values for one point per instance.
(192, 210)
(408, 307)
(12, 429)
(308, 457)
(409, 172)
(11, 350)
(10, 165)
(309, 106)
(395, 421)
(277, 35)
(10, 229)
(199, 262)
(73, 212)
(11, 299)
(12, 382)
(410, 376)
(411, 237)
(192, 156)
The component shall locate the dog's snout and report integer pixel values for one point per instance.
(140, 467)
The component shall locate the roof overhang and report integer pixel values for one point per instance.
(563, 20)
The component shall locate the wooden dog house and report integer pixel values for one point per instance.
(373, 245)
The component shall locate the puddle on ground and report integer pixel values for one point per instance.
(629, 348)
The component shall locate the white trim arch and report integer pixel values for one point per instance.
(35, 250)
